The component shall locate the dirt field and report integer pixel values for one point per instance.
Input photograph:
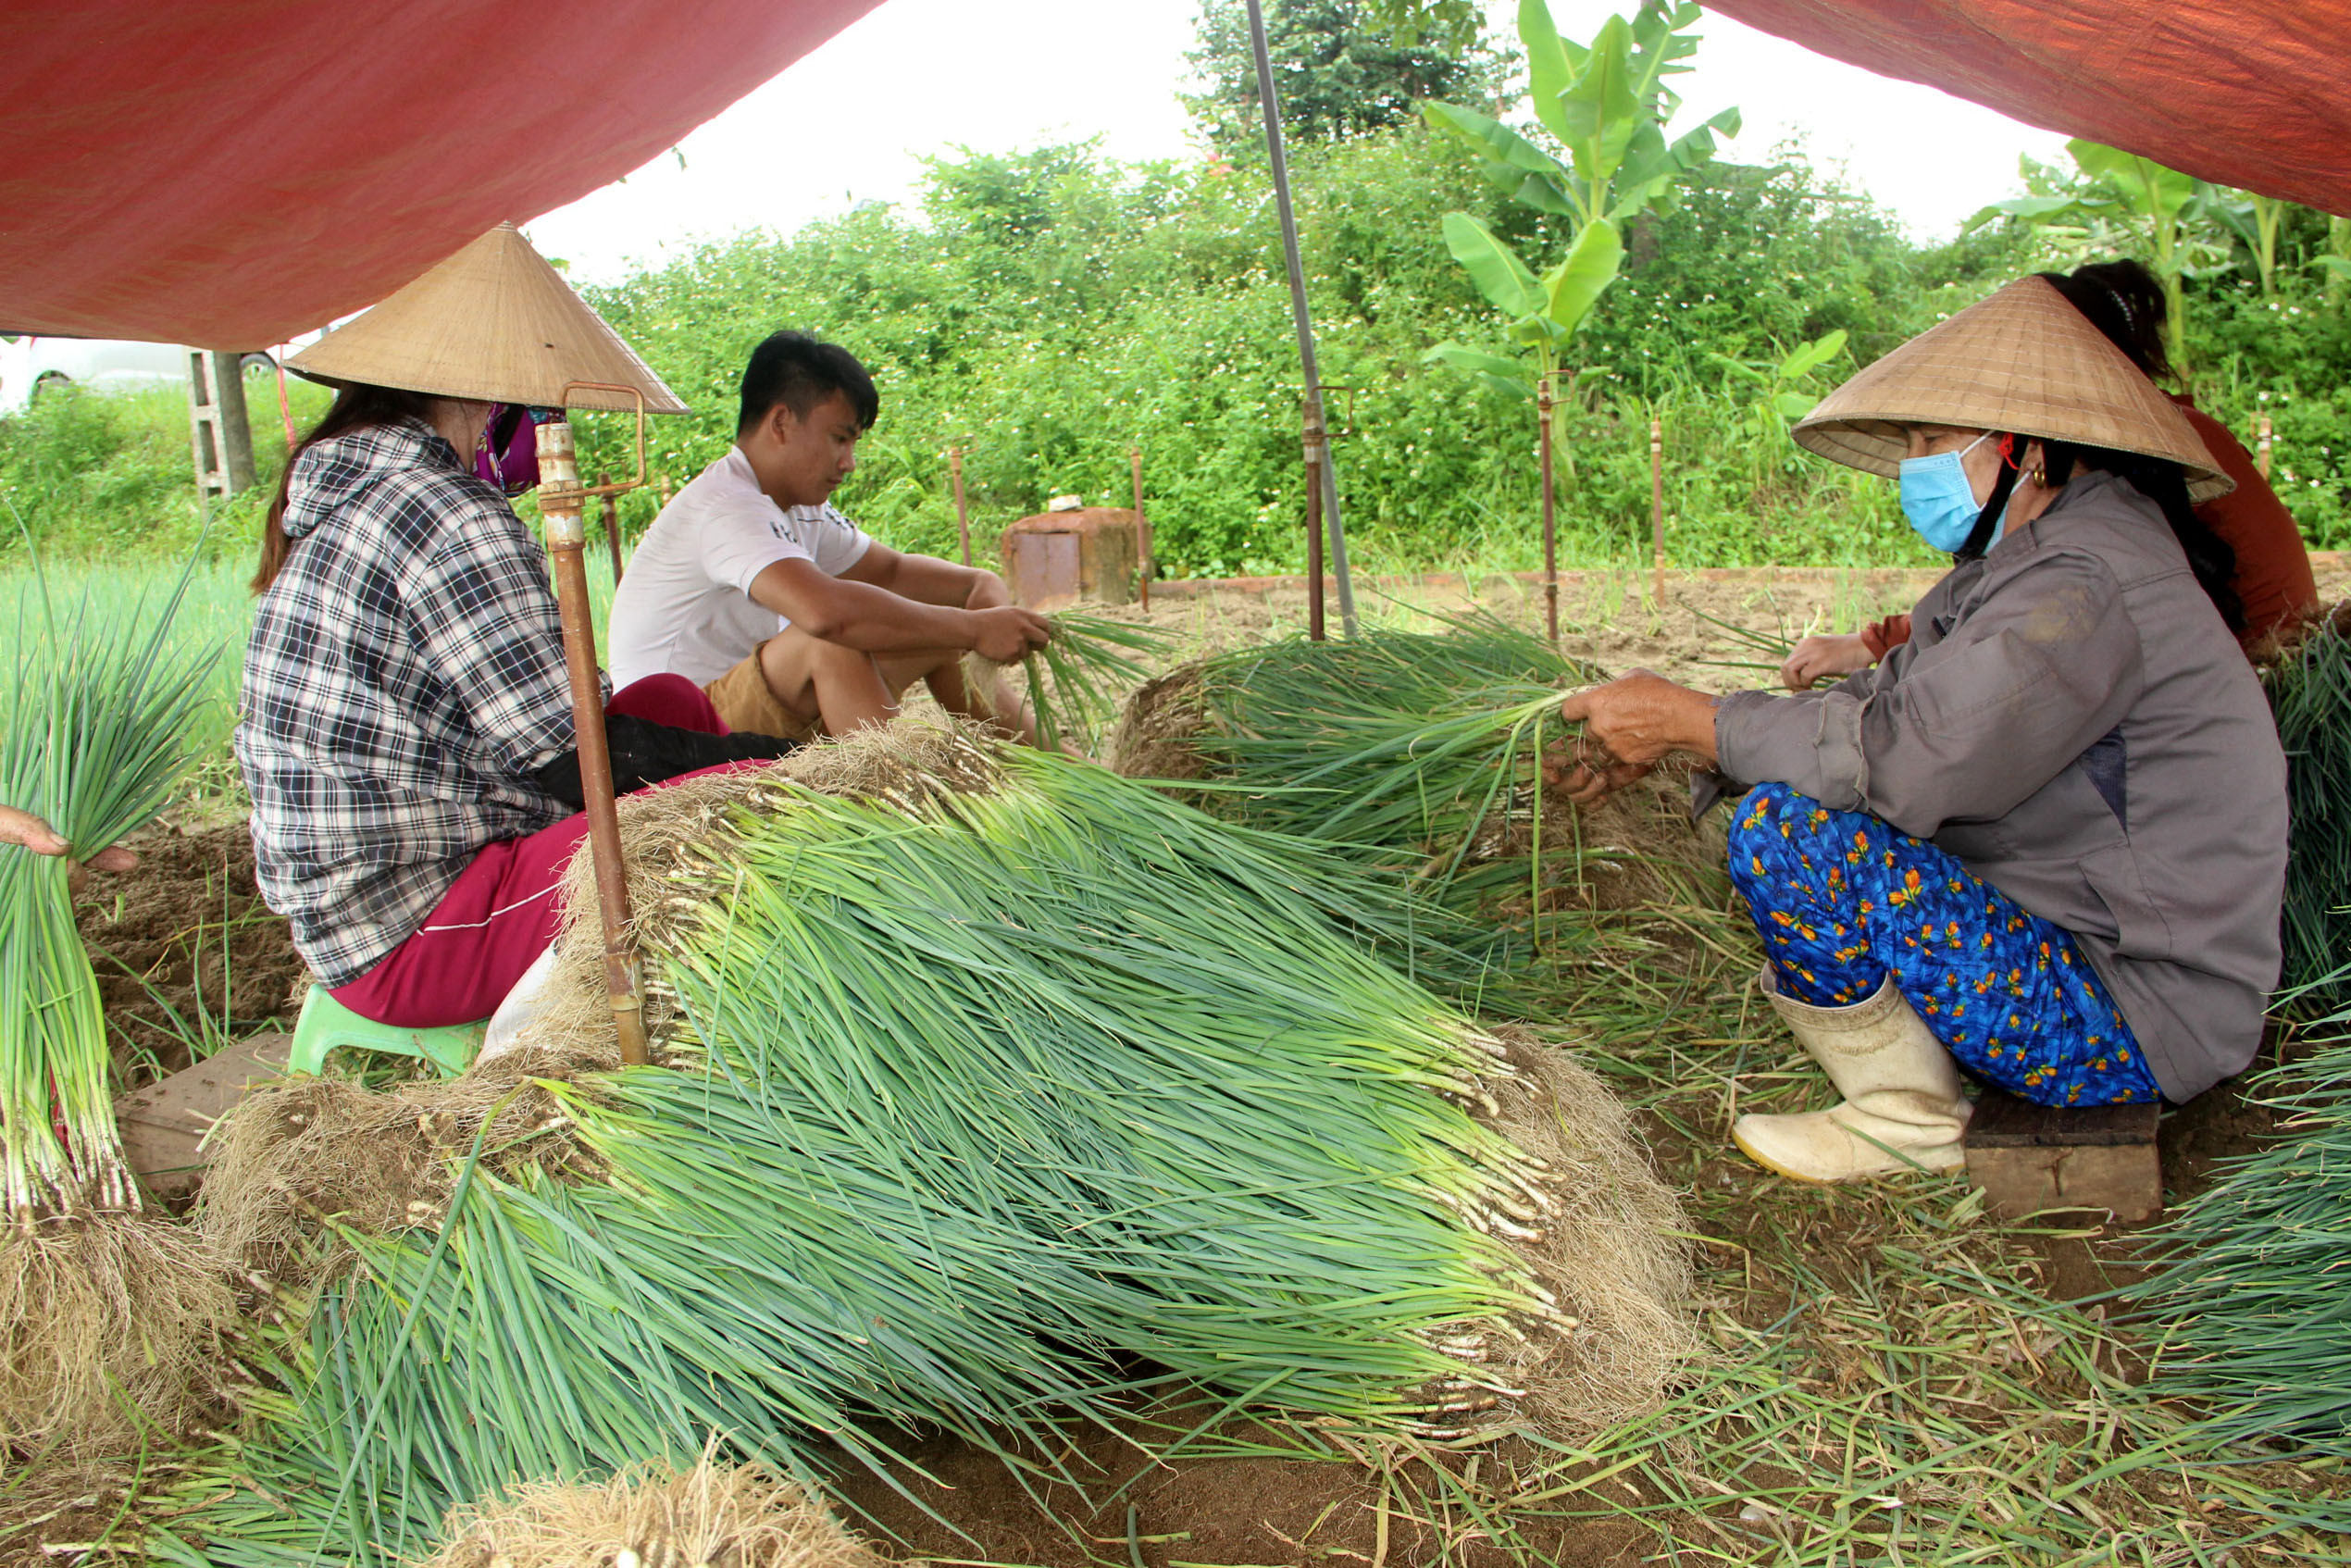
(1836, 1313)
(1703, 632)
(187, 955)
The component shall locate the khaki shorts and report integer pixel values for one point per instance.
(748, 704)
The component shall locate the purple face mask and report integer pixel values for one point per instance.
(507, 455)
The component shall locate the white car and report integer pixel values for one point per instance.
(30, 365)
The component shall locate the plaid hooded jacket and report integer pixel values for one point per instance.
(404, 676)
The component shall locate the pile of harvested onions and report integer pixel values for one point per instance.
(1003, 1092)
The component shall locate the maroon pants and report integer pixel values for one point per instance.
(502, 911)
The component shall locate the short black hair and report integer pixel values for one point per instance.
(794, 370)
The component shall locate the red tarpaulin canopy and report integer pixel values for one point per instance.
(229, 173)
(2248, 92)
(232, 172)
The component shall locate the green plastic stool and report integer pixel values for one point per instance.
(326, 1024)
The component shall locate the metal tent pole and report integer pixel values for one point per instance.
(562, 513)
(1272, 106)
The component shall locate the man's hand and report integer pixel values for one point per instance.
(1629, 726)
(1821, 655)
(988, 594)
(1006, 636)
(24, 828)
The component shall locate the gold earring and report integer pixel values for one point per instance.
(2041, 477)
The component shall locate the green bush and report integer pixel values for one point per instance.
(1045, 310)
(1048, 309)
(97, 476)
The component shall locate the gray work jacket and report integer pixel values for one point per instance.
(2074, 721)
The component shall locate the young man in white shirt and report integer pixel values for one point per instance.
(751, 585)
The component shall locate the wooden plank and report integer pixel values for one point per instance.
(2029, 1158)
(2004, 1121)
(163, 1123)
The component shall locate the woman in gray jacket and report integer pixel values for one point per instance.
(2043, 841)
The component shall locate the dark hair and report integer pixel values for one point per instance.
(356, 406)
(2212, 558)
(796, 371)
(2123, 300)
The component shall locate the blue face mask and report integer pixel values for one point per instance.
(1937, 498)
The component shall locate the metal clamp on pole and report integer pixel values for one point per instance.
(563, 504)
(1317, 455)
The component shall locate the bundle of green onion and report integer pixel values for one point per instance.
(1417, 751)
(2249, 1291)
(2310, 696)
(1012, 1105)
(1075, 681)
(94, 723)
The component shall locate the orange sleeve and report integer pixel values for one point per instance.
(1891, 632)
(2273, 575)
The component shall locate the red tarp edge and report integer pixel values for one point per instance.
(229, 173)
(2257, 96)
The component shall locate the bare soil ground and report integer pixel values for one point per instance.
(1699, 633)
(188, 957)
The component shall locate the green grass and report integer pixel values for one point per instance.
(215, 617)
(110, 478)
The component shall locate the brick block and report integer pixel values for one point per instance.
(1057, 558)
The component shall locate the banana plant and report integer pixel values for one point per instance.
(1779, 399)
(1544, 312)
(2162, 212)
(2256, 219)
(2337, 262)
(1607, 105)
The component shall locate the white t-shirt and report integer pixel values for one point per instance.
(684, 605)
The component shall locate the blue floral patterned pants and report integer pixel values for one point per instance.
(1842, 899)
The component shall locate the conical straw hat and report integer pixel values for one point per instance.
(494, 322)
(2023, 360)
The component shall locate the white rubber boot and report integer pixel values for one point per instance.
(1903, 1105)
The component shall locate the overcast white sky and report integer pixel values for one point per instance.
(849, 122)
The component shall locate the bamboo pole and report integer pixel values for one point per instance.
(2261, 449)
(1270, 104)
(563, 508)
(1550, 523)
(608, 506)
(1142, 533)
(1657, 504)
(1317, 455)
(963, 515)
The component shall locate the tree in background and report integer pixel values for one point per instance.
(1341, 69)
